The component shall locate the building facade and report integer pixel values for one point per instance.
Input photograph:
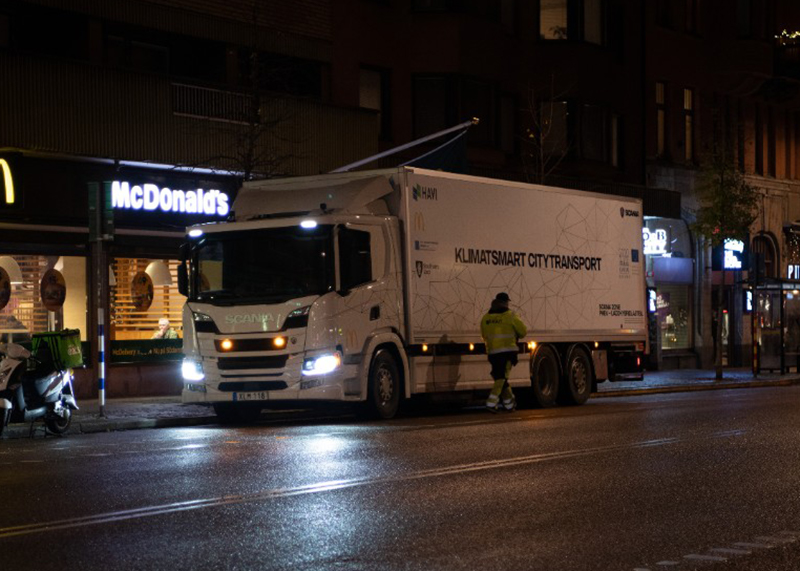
(615, 96)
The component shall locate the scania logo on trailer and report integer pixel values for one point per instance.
(150, 197)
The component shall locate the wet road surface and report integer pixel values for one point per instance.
(680, 481)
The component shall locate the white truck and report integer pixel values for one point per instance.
(369, 287)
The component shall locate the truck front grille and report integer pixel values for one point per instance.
(239, 363)
(243, 386)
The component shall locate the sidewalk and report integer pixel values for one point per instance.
(161, 412)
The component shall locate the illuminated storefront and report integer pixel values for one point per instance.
(50, 248)
(670, 277)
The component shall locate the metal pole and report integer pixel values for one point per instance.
(464, 125)
(101, 374)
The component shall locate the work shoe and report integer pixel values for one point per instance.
(493, 408)
(510, 406)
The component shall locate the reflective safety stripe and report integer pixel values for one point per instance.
(503, 350)
(492, 400)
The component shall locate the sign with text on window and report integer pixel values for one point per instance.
(656, 241)
(153, 198)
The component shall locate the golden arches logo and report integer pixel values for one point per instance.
(8, 181)
(419, 221)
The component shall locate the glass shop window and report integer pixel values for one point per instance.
(673, 308)
(41, 293)
(144, 298)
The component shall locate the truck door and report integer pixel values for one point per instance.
(361, 268)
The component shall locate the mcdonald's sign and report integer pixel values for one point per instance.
(9, 196)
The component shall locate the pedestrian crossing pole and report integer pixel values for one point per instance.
(101, 230)
(101, 361)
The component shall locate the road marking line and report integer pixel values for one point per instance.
(777, 539)
(668, 563)
(697, 557)
(730, 551)
(332, 485)
(753, 545)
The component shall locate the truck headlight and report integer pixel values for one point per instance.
(192, 370)
(322, 364)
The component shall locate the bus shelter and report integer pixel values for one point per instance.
(776, 325)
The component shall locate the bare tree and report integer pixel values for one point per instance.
(728, 207)
(545, 142)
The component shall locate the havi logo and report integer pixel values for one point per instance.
(425, 193)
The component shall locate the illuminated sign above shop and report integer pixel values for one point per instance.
(655, 241)
(734, 255)
(149, 197)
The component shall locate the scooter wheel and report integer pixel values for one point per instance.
(58, 424)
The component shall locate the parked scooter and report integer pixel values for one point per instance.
(35, 386)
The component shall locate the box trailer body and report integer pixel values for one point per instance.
(369, 287)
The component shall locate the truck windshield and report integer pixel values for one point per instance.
(270, 265)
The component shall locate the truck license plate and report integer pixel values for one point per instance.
(257, 395)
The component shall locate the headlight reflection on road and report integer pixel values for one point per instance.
(325, 444)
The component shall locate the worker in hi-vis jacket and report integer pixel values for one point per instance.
(501, 329)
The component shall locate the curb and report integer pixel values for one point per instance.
(94, 426)
(109, 425)
(709, 386)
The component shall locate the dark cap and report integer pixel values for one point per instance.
(502, 296)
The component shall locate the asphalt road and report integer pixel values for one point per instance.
(681, 481)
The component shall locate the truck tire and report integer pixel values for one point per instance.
(383, 387)
(229, 413)
(545, 375)
(577, 383)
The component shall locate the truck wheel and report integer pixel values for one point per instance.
(383, 387)
(228, 413)
(577, 385)
(544, 377)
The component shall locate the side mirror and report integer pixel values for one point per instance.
(183, 279)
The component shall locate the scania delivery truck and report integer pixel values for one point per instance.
(369, 287)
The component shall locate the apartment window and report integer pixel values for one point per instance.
(553, 19)
(477, 100)
(373, 93)
(691, 15)
(599, 135)
(688, 124)
(744, 18)
(664, 13)
(508, 15)
(759, 146)
(740, 148)
(615, 140)
(138, 55)
(661, 120)
(430, 105)
(571, 19)
(789, 145)
(441, 102)
(507, 124)
(4, 34)
(593, 133)
(43, 31)
(771, 144)
(593, 21)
